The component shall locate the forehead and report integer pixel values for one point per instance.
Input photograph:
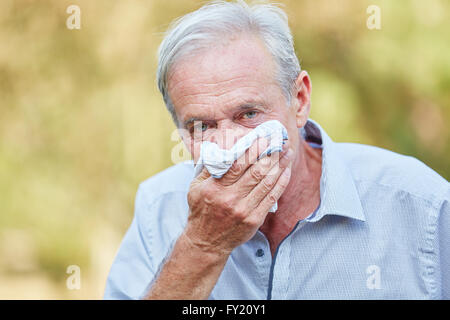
(241, 69)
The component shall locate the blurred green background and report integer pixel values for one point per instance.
(82, 122)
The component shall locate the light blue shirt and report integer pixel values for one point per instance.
(381, 231)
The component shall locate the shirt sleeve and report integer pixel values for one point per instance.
(131, 271)
(444, 245)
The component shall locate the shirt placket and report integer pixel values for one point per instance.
(280, 269)
(263, 260)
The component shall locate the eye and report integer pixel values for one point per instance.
(200, 126)
(249, 115)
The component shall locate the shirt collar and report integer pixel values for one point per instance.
(338, 194)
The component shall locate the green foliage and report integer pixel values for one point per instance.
(82, 122)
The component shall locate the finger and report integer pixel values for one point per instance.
(264, 168)
(203, 175)
(242, 163)
(275, 193)
(265, 186)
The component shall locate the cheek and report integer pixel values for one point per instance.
(194, 149)
(289, 122)
(192, 146)
(287, 119)
(195, 152)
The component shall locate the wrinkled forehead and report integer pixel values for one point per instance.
(243, 62)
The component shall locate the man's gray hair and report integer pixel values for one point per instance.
(218, 21)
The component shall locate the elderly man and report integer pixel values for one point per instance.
(352, 222)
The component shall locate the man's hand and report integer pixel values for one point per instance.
(224, 213)
(227, 212)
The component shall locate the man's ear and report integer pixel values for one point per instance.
(301, 98)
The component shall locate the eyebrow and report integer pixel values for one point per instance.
(241, 107)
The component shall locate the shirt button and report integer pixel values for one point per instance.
(259, 253)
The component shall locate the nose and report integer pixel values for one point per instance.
(227, 134)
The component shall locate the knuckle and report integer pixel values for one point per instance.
(236, 168)
(253, 222)
(272, 198)
(194, 195)
(207, 196)
(256, 173)
(239, 212)
(226, 202)
(191, 197)
(207, 193)
(268, 184)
